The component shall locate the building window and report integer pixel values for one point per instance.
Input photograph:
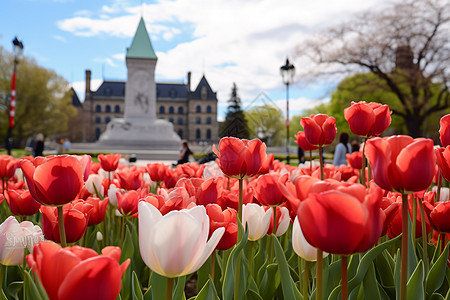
(208, 109)
(157, 93)
(171, 110)
(171, 120)
(208, 134)
(180, 133)
(107, 120)
(97, 133)
(208, 120)
(198, 108)
(108, 108)
(107, 92)
(198, 120)
(203, 93)
(98, 108)
(117, 109)
(180, 121)
(173, 93)
(161, 109)
(98, 120)
(180, 110)
(197, 134)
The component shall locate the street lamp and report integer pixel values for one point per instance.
(287, 74)
(17, 49)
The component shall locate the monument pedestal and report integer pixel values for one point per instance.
(152, 134)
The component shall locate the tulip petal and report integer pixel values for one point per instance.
(208, 249)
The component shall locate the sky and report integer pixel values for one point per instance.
(229, 41)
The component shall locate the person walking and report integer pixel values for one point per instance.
(341, 150)
(185, 151)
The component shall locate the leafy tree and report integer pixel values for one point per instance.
(266, 123)
(405, 45)
(235, 122)
(43, 100)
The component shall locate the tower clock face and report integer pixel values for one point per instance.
(141, 95)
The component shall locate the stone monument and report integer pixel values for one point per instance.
(140, 127)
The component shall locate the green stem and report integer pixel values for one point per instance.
(404, 251)
(250, 258)
(424, 237)
(241, 197)
(62, 232)
(122, 231)
(321, 162)
(442, 235)
(414, 222)
(213, 263)
(274, 231)
(363, 170)
(344, 280)
(319, 267)
(439, 185)
(306, 280)
(2, 275)
(236, 278)
(105, 232)
(169, 288)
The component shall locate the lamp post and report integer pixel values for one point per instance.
(17, 48)
(287, 74)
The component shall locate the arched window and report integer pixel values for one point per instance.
(180, 133)
(180, 110)
(171, 110)
(98, 120)
(198, 109)
(161, 109)
(180, 121)
(97, 133)
(117, 108)
(171, 120)
(198, 120)
(98, 108)
(107, 120)
(208, 134)
(197, 134)
(208, 120)
(208, 109)
(108, 108)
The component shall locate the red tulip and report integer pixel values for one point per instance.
(355, 160)
(177, 199)
(267, 191)
(21, 203)
(8, 166)
(130, 179)
(98, 210)
(302, 142)
(320, 129)
(74, 273)
(128, 201)
(443, 161)
(342, 221)
(226, 219)
(157, 171)
(283, 220)
(368, 119)
(210, 190)
(55, 180)
(444, 131)
(439, 217)
(240, 158)
(109, 162)
(76, 218)
(401, 163)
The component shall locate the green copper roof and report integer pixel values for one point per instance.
(141, 46)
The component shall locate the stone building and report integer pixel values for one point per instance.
(193, 112)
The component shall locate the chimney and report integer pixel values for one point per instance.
(87, 94)
(189, 81)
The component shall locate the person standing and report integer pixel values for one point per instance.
(39, 145)
(341, 150)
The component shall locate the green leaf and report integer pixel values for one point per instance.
(436, 275)
(270, 281)
(136, 291)
(363, 266)
(414, 287)
(436, 296)
(203, 273)
(228, 281)
(32, 291)
(370, 285)
(128, 247)
(158, 284)
(179, 288)
(14, 289)
(290, 291)
(412, 259)
(208, 292)
(252, 295)
(3, 296)
(397, 269)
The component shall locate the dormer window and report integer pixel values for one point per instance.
(203, 93)
(107, 92)
(173, 93)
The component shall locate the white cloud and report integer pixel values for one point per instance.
(60, 38)
(119, 56)
(232, 41)
(80, 86)
(106, 60)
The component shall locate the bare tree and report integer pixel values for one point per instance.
(405, 44)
